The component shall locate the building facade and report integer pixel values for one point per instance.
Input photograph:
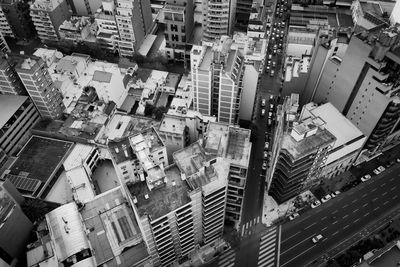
(217, 80)
(84, 7)
(34, 74)
(179, 23)
(10, 83)
(47, 16)
(218, 18)
(3, 45)
(15, 21)
(18, 116)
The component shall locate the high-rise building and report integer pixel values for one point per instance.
(84, 7)
(47, 16)
(218, 18)
(244, 9)
(15, 20)
(395, 16)
(217, 76)
(362, 82)
(301, 157)
(37, 81)
(18, 115)
(179, 23)
(3, 45)
(10, 82)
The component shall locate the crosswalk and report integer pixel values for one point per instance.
(249, 227)
(266, 254)
(227, 259)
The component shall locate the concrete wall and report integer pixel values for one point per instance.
(250, 79)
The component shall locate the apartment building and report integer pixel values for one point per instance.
(395, 15)
(84, 7)
(217, 80)
(218, 18)
(349, 139)
(233, 144)
(10, 83)
(78, 29)
(302, 154)
(362, 83)
(33, 72)
(179, 24)
(107, 32)
(367, 15)
(47, 16)
(256, 24)
(15, 20)
(244, 9)
(17, 117)
(15, 226)
(3, 45)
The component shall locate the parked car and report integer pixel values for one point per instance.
(379, 170)
(263, 102)
(271, 106)
(266, 145)
(398, 160)
(326, 198)
(366, 177)
(265, 154)
(269, 122)
(293, 216)
(273, 64)
(317, 238)
(335, 194)
(272, 73)
(270, 115)
(315, 204)
(264, 166)
(262, 112)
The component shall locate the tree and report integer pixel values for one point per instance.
(148, 110)
(159, 112)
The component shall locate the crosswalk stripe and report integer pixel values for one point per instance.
(267, 243)
(227, 258)
(267, 247)
(262, 264)
(228, 263)
(266, 256)
(268, 235)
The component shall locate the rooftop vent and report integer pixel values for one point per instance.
(146, 196)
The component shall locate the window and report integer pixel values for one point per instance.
(126, 230)
(174, 28)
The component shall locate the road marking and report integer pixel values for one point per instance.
(366, 204)
(373, 190)
(354, 201)
(366, 214)
(334, 222)
(310, 226)
(356, 220)
(355, 210)
(376, 208)
(384, 193)
(345, 216)
(291, 236)
(298, 243)
(386, 202)
(335, 233)
(364, 195)
(323, 218)
(393, 188)
(345, 206)
(268, 234)
(298, 255)
(382, 185)
(324, 228)
(334, 211)
(394, 197)
(346, 226)
(391, 179)
(374, 199)
(268, 247)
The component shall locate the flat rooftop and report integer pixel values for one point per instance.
(151, 135)
(173, 124)
(337, 124)
(162, 200)
(190, 159)
(40, 157)
(308, 145)
(172, 80)
(121, 150)
(387, 258)
(207, 58)
(9, 105)
(96, 214)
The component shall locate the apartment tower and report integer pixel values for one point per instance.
(218, 18)
(15, 21)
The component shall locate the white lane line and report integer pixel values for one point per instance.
(345, 216)
(382, 185)
(227, 259)
(374, 199)
(386, 202)
(245, 226)
(376, 208)
(298, 243)
(298, 255)
(266, 263)
(366, 214)
(354, 200)
(366, 204)
(393, 188)
(335, 233)
(272, 241)
(355, 210)
(364, 195)
(324, 228)
(394, 197)
(391, 179)
(291, 236)
(333, 212)
(335, 222)
(373, 190)
(267, 249)
(345, 206)
(346, 226)
(384, 193)
(323, 218)
(266, 256)
(356, 220)
(310, 226)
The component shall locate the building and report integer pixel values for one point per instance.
(47, 16)
(349, 139)
(34, 74)
(85, 7)
(15, 227)
(362, 83)
(218, 18)
(4, 49)
(18, 115)
(184, 208)
(15, 21)
(244, 9)
(103, 231)
(395, 15)
(10, 83)
(217, 80)
(107, 32)
(78, 29)
(233, 144)
(174, 133)
(38, 166)
(256, 23)
(179, 24)
(367, 15)
(302, 155)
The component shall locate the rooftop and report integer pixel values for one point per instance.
(172, 80)
(77, 156)
(308, 145)
(9, 105)
(40, 157)
(46, 5)
(121, 150)
(173, 124)
(96, 216)
(172, 195)
(191, 159)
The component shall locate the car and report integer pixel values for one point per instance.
(326, 198)
(262, 112)
(274, 51)
(269, 122)
(335, 194)
(268, 62)
(272, 73)
(267, 68)
(271, 97)
(365, 178)
(273, 64)
(263, 101)
(317, 238)
(265, 154)
(264, 166)
(293, 216)
(315, 204)
(271, 106)
(280, 45)
(269, 56)
(376, 171)
(270, 115)
(266, 145)
(381, 168)
(398, 160)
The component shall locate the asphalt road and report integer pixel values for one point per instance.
(339, 219)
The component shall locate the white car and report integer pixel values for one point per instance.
(264, 166)
(334, 194)
(263, 102)
(381, 168)
(294, 216)
(315, 204)
(326, 198)
(262, 112)
(366, 177)
(270, 115)
(317, 238)
(266, 145)
(271, 106)
(398, 160)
